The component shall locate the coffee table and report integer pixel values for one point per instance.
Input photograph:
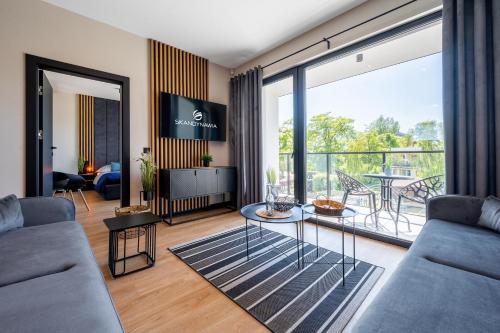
(117, 225)
(297, 217)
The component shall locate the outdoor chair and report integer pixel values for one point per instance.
(353, 187)
(420, 192)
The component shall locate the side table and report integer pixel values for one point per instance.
(89, 180)
(346, 213)
(116, 225)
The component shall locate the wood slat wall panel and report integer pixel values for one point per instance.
(86, 128)
(178, 72)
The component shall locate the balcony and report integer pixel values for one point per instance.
(322, 180)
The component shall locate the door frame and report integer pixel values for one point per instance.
(32, 65)
(299, 127)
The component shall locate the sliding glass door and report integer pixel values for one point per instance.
(370, 109)
(378, 110)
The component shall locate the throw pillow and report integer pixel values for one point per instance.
(11, 216)
(490, 214)
(106, 168)
(115, 166)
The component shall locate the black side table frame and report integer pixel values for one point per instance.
(249, 213)
(117, 255)
(149, 251)
(347, 213)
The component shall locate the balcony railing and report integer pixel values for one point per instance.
(321, 178)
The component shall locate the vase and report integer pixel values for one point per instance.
(147, 196)
(272, 192)
(206, 164)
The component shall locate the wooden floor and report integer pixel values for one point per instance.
(171, 297)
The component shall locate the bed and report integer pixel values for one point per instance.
(107, 183)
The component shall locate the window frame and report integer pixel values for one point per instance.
(298, 73)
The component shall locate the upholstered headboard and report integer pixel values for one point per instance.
(106, 132)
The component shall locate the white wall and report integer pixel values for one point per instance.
(65, 132)
(218, 92)
(38, 28)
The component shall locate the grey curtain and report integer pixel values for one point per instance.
(245, 134)
(471, 96)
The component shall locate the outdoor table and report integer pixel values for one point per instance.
(386, 191)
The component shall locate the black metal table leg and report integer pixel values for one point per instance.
(246, 234)
(111, 253)
(343, 255)
(117, 240)
(354, 243)
(170, 211)
(298, 248)
(302, 238)
(317, 239)
(138, 230)
(124, 250)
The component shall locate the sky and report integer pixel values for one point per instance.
(409, 92)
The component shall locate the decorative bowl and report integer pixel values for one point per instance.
(328, 207)
(134, 209)
(284, 204)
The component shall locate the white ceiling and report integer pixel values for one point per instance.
(416, 44)
(76, 85)
(227, 32)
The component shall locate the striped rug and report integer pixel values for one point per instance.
(269, 285)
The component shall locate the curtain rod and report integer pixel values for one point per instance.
(327, 39)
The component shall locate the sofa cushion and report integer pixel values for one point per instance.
(75, 300)
(423, 296)
(490, 214)
(11, 216)
(469, 248)
(32, 252)
(44, 210)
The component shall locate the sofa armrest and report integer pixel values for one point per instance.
(455, 208)
(42, 210)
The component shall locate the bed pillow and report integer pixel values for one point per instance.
(490, 214)
(106, 168)
(11, 216)
(115, 166)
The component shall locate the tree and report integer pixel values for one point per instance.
(286, 137)
(428, 135)
(384, 125)
(329, 134)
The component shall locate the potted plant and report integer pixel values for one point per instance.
(148, 176)
(81, 165)
(206, 159)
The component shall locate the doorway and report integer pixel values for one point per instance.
(97, 139)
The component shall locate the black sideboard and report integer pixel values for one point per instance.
(178, 184)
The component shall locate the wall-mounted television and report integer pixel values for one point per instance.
(188, 118)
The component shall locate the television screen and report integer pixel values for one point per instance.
(188, 118)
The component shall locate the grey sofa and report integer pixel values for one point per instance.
(49, 279)
(448, 282)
